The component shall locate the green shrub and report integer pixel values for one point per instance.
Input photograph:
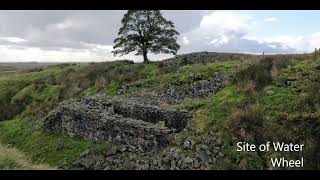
(310, 99)
(303, 128)
(247, 124)
(259, 73)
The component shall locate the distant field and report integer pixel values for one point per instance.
(19, 65)
(6, 70)
(8, 66)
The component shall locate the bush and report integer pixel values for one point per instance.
(247, 124)
(282, 62)
(304, 128)
(259, 74)
(310, 100)
(247, 86)
(63, 65)
(37, 69)
(161, 64)
(100, 83)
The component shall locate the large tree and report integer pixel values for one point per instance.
(146, 31)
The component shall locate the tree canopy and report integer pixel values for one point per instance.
(146, 31)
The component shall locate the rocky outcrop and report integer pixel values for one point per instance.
(141, 127)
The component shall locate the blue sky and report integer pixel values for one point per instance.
(288, 22)
(257, 32)
(68, 35)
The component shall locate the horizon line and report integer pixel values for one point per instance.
(242, 53)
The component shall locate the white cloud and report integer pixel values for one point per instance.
(219, 41)
(272, 46)
(220, 31)
(89, 35)
(13, 39)
(98, 47)
(271, 19)
(315, 40)
(63, 25)
(9, 54)
(224, 22)
(300, 44)
(296, 42)
(218, 26)
(185, 40)
(93, 52)
(227, 31)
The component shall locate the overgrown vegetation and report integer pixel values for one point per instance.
(272, 99)
(40, 146)
(11, 158)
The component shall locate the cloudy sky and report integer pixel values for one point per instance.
(88, 35)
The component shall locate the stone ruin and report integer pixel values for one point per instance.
(141, 127)
(198, 89)
(136, 121)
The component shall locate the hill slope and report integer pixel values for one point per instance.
(270, 99)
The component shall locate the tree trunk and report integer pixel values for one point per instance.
(145, 57)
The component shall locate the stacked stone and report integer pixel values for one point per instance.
(175, 94)
(141, 127)
(188, 156)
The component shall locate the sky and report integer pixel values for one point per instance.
(86, 36)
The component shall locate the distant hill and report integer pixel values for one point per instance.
(25, 65)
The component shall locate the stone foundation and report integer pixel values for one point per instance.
(139, 126)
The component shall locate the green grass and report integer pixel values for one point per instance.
(35, 93)
(16, 90)
(216, 110)
(213, 111)
(28, 91)
(39, 95)
(7, 73)
(274, 100)
(7, 163)
(208, 70)
(11, 158)
(113, 88)
(40, 146)
(6, 68)
(154, 79)
(150, 70)
(300, 75)
(90, 90)
(44, 100)
(24, 133)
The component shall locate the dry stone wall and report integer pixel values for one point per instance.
(98, 118)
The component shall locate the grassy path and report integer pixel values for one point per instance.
(11, 158)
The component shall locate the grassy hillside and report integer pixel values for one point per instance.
(11, 158)
(40, 146)
(275, 98)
